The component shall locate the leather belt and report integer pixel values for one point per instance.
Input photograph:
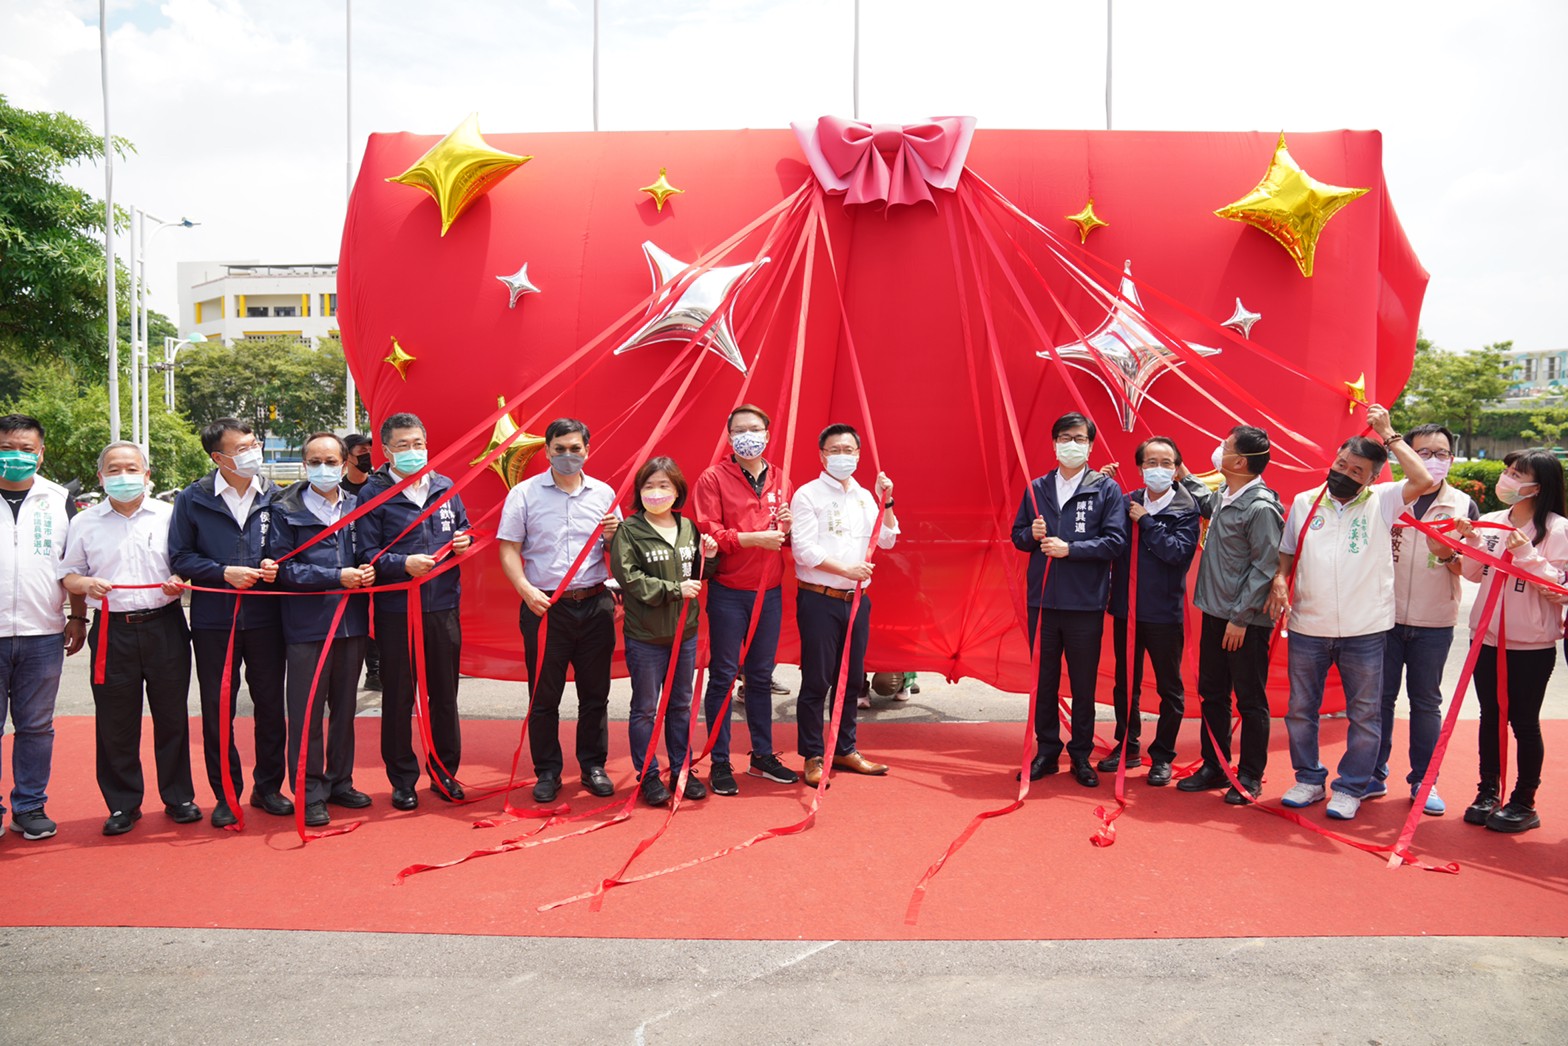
(132, 617)
(577, 595)
(846, 595)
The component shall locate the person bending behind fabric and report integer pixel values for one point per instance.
(1532, 485)
(653, 558)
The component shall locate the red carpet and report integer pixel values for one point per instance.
(1183, 865)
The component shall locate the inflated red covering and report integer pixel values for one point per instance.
(949, 597)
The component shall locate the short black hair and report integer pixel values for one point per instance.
(837, 429)
(564, 427)
(22, 423)
(1072, 419)
(1137, 455)
(671, 470)
(1253, 443)
(356, 439)
(401, 420)
(1366, 447)
(333, 436)
(1431, 428)
(212, 432)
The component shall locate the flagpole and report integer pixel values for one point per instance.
(108, 229)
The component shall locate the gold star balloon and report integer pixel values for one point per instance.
(522, 446)
(1358, 393)
(661, 189)
(1291, 206)
(1087, 221)
(399, 359)
(459, 169)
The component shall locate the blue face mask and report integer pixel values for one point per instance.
(324, 477)
(408, 462)
(1158, 479)
(125, 486)
(17, 466)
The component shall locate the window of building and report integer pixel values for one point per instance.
(285, 310)
(254, 311)
(1551, 368)
(329, 305)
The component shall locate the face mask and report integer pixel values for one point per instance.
(1072, 455)
(1342, 487)
(1510, 491)
(17, 466)
(362, 462)
(657, 503)
(1159, 479)
(324, 477)
(842, 466)
(125, 486)
(1439, 469)
(567, 464)
(749, 444)
(408, 462)
(247, 462)
(1218, 458)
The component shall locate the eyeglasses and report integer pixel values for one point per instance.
(1082, 441)
(1434, 455)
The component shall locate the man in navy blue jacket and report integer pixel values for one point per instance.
(218, 538)
(1164, 517)
(399, 559)
(299, 514)
(1073, 520)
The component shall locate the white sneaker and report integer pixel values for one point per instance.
(1302, 794)
(1343, 806)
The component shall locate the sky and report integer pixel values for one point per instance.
(238, 108)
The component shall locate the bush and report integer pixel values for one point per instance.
(1479, 479)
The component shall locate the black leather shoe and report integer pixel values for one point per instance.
(1084, 774)
(453, 793)
(598, 782)
(404, 799)
(222, 816)
(1206, 779)
(349, 798)
(1109, 763)
(1235, 798)
(653, 791)
(183, 813)
(1513, 817)
(546, 788)
(1042, 766)
(316, 815)
(274, 803)
(121, 821)
(1159, 775)
(695, 789)
(1486, 801)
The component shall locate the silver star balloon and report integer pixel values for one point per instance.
(680, 319)
(1241, 320)
(518, 284)
(1125, 351)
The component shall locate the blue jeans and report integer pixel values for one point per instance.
(30, 669)
(729, 618)
(1360, 661)
(647, 664)
(1424, 650)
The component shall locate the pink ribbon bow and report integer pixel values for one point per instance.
(886, 162)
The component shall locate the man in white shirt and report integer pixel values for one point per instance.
(1341, 609)
(833, 520)
(124, 541)
(545, 522)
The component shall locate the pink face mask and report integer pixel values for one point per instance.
(1439, 468)
(1510, 489)
(657, 503)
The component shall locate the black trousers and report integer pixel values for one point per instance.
(1246, 673)
(1163, 644)
(823, 622)
(1075, 634)
(582, 635)
(333, 771)
(151, 656)
(261, 651)
(1528, 673)
(443, 647)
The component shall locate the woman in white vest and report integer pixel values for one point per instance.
(1532, 485)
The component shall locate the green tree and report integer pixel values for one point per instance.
(1453, 388)
(51, 241)
(1547, 426)
(282, 386)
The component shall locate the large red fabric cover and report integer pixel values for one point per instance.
(949, 597)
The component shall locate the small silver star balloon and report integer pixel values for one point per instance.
(1241, 320)
(518, 284)
(1123, 351)
(680, 319)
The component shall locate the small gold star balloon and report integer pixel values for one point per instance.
(459, 169)
(1291, 206)
(661, 189)
(399, 359)
(522, 446)
(1087, 221)
(1358, 393)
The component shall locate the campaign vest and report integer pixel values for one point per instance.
(32, 547)
(1345, 571)
(1426, 592)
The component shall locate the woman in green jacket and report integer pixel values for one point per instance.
(654, 558)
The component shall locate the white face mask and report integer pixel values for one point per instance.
(1158, 479)
(247, 462)
(1218, 458)
(1072, 455)
(842, 466)
(749, 445)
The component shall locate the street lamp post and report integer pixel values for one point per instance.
(140, 349)
(171, 349)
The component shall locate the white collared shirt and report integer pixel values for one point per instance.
(1226, 497)
(1152, 505)
(239, 502)
(416, 492)
(830, 522)
(123, 550)
(551, 525)
(329, 512)
(1066, 488)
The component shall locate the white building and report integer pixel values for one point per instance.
(235, 300)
